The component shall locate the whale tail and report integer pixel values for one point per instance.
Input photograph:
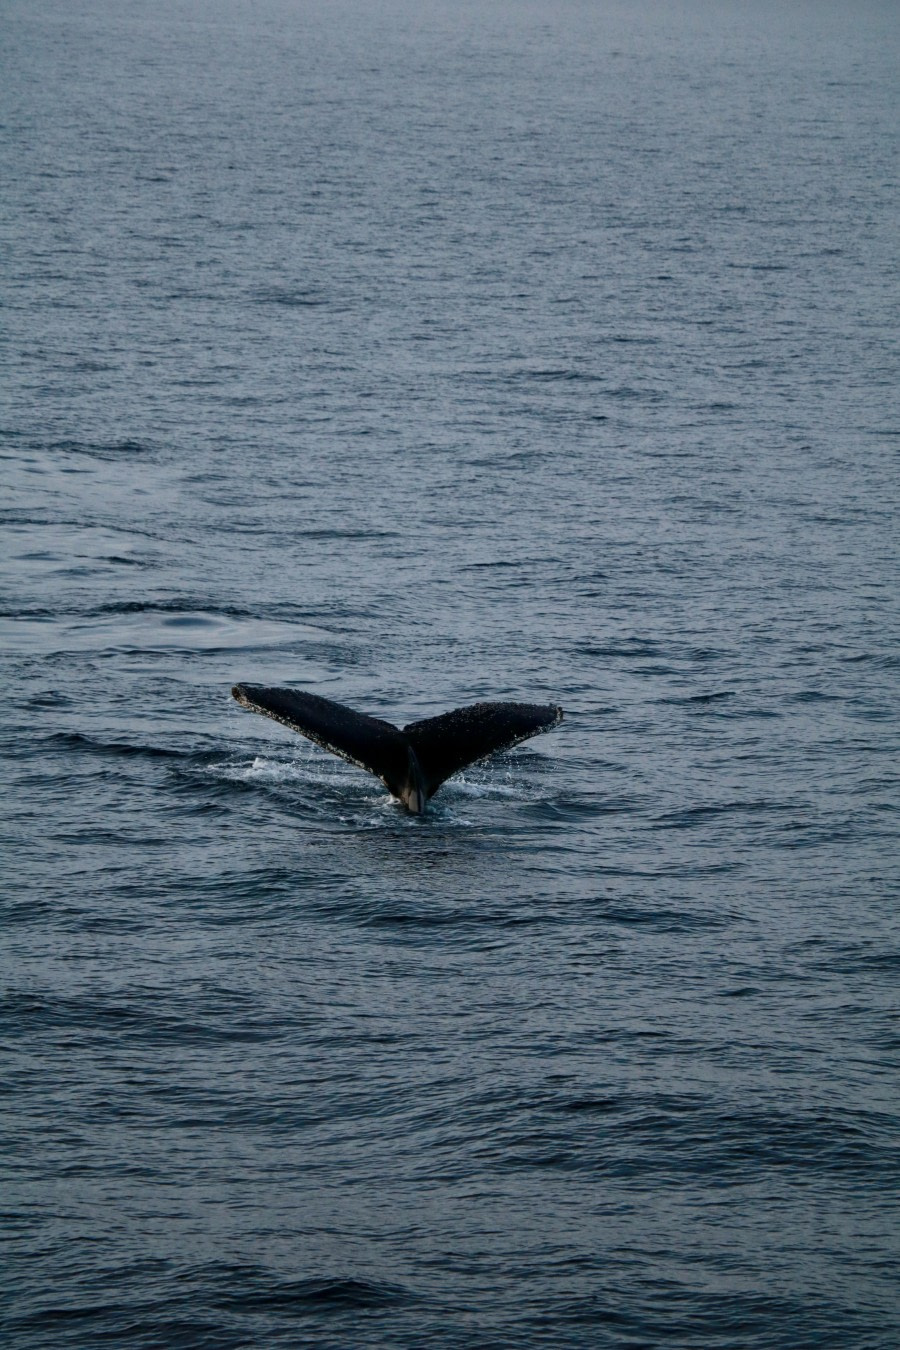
(412, 762)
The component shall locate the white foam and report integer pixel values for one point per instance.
(487, 788)
(266, 770)
(371, 804)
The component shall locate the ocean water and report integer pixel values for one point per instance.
(415, 355)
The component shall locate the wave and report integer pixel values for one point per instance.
(106, 450)
(77, 740)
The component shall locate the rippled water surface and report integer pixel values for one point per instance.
(414, 356)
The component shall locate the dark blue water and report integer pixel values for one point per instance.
(412, 356)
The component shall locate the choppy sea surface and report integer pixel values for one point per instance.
(415, 355)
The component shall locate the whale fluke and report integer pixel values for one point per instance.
(414, 762)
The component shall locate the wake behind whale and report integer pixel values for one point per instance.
(414, 761)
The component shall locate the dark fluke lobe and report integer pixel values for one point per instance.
(414, 762)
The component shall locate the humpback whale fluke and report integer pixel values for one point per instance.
(414, 762)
